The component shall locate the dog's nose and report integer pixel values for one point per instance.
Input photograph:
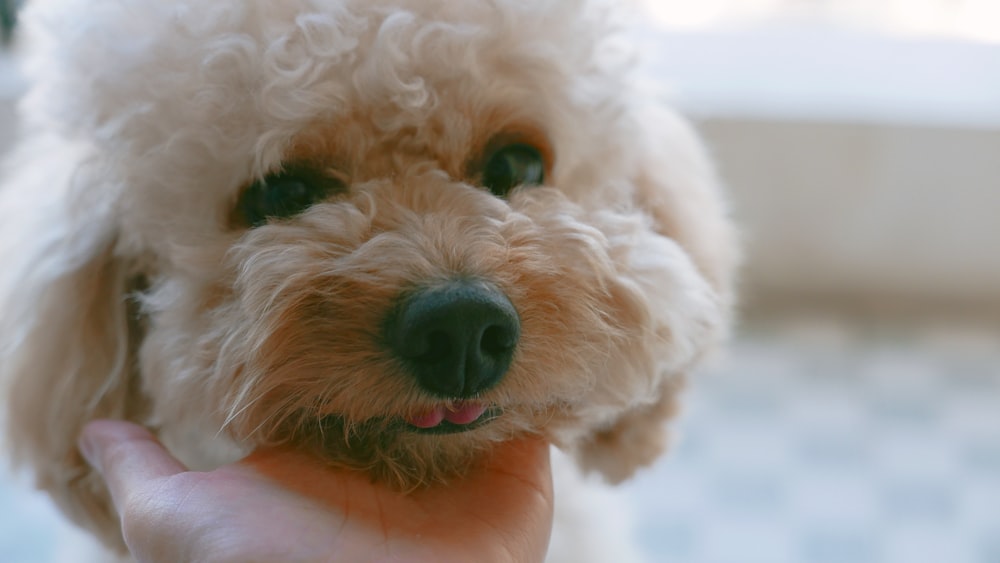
(456, 340)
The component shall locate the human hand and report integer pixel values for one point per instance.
(283, 505)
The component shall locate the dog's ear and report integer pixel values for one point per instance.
(675, 186)
(66, 339)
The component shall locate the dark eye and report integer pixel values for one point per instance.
(513, 166)
(285, 194)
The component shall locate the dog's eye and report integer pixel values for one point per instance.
(512, 166)
(285, 194)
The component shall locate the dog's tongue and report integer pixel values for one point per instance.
(457, 413)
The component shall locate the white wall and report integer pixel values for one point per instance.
(862, 211)
(863, 167)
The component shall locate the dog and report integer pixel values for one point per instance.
(391, 232)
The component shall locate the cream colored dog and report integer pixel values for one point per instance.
(394, 232)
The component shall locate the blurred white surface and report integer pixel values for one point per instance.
(861, 166)
(875, 214)
(822, 73)
(971, 20)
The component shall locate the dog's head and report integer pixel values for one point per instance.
(394, 232)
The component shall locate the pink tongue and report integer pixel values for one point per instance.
(428, 419)
(464, 414)
(459, 413)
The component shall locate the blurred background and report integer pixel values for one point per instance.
(856, 416)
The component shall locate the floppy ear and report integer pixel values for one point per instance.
(66, 340)
(676, 188)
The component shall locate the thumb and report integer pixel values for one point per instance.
(126, 455)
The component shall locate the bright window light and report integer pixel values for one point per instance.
(974, 20)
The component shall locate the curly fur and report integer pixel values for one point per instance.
(131, 291)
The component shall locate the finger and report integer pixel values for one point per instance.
(126, 455)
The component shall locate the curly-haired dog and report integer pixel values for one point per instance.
(394, 232)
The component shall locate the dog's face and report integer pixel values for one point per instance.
(392, 232)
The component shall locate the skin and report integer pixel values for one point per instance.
(282, 505)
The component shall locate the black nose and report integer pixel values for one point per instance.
(456, 340)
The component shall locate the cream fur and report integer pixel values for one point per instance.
(129, 292)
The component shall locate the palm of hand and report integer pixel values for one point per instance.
(280, 505)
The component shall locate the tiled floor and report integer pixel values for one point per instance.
(811, 442)
(819, 442)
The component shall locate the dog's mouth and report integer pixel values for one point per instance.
(452, 418)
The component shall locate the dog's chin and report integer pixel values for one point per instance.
(430, 444)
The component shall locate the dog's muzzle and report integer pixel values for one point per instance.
(457, 340)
